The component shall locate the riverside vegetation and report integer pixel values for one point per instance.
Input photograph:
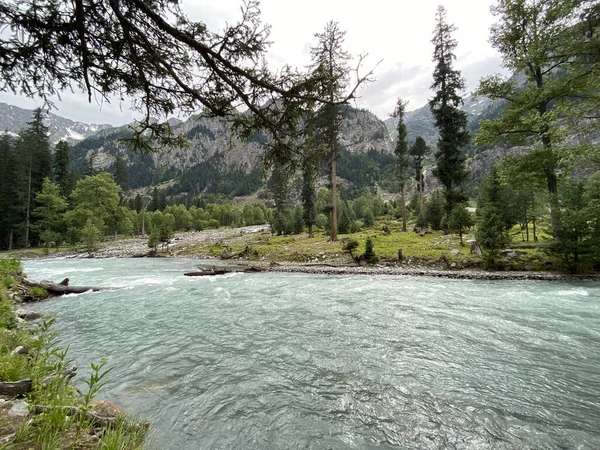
(54, 414)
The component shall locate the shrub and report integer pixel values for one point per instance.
(370, 256)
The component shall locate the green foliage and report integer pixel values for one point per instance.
(493, 217)
(95, 199)
(37, 292)
(450, 121)
(7, 317)
(96, 381)
(550, 43)
(434, 211)
(298, 214)
(350, 246)
(369, 255)
(460, 220)
(51, 206)
(64, 178)
(90, 235)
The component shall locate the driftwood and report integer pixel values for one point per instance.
(16, 388)
(60, 289)
(66, 375)
(206, 272)
(222, 270)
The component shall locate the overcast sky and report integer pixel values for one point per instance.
(395, 32)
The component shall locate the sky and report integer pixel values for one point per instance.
(395, 34)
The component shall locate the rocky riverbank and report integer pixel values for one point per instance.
(255, 246)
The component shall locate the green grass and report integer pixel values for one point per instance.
(53, 429)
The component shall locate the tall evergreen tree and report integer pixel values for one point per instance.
(494, 217)
(450, 121)
(401, 151)
(12, 192)
(50, 207)
(120, 175)
(330, 63)
(34, 148)
(417, 152)
(62, 173)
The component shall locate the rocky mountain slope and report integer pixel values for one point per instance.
(13, 119)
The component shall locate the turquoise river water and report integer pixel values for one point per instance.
(296, 361)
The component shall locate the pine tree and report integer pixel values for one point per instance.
(450, 121)
(62, 174)
(12, 192)
(34, 148)
(50, 207)
(417, 152)
(401, 151)
(330, 63)
(460, 220)
(120, 175)
(494, 217)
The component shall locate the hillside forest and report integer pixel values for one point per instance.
(528, 165)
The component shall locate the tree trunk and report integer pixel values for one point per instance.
(10, 239)
(403, 208)
(16, 388)
(333, 234)
(59, 289)
(143, 221)
(421, 207)
(28, 207)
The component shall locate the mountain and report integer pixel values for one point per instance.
(14, 119)
(419, 122)
(216, 161)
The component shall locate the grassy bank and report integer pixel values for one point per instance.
(433, 249)
(59, 416)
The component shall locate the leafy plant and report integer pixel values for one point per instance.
(95, 383)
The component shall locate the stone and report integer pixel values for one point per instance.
(453, 265)
(475, 249)
(20, 350)
(19, 409)
(512, 255)
(28, 315)
(105, 408)
(454, 252)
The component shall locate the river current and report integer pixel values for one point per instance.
(296, 361)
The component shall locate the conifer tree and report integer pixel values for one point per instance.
(120, 175)
(417, 152)
(401, 151)
(330, 62)
(34, 149)
(450, 121)
(60, 165)
(494, 217)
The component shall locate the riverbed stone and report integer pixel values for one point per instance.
(105, 408)
(19, 409)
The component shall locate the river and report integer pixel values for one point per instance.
(278, 361)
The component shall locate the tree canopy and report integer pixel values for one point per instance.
(152, 52)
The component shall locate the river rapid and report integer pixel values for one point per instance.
(278, 361)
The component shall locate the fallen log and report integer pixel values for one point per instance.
(60, 289)
(222, 271)
(203, 273)
(16, 388)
